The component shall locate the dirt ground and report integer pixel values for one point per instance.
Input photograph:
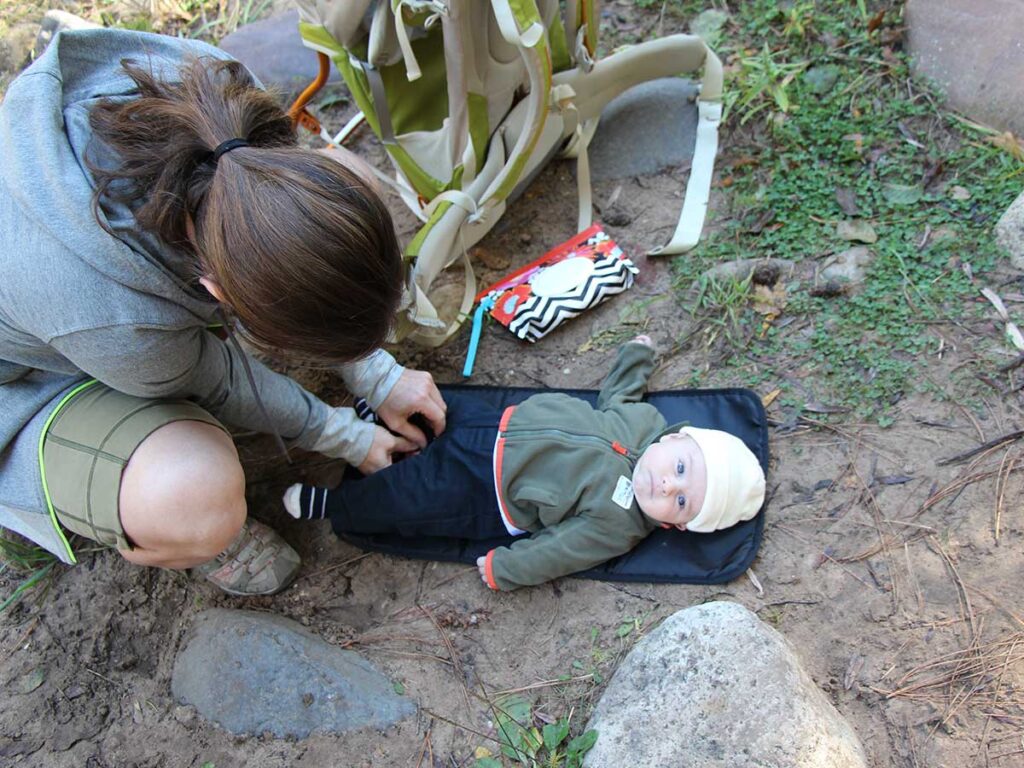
(894, 577)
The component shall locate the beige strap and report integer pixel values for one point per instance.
(698, 186)
(430, 331)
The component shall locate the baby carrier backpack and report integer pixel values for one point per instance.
(471, 98)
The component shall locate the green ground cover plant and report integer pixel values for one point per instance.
(830, 143)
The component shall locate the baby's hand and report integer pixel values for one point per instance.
(481, 565)
(644, 339)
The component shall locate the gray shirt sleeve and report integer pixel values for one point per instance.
(371, 378)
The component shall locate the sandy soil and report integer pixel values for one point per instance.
(876, 561)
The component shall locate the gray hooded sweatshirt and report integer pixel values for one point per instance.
(78, 303)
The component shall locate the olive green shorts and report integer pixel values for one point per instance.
(88, 441)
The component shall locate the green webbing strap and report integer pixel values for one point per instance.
(42, 466)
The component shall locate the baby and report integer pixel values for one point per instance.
(586, 483)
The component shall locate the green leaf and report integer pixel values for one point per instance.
(625, 628)
(518, 741)
(399, 688)
(32, 680)
(902, 194)
(582, 744)
(488, 762)
(555, 734)
(208, 764)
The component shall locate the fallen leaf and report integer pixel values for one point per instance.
(847, 199)
(960, 193)
(769, 300)
(1014, 335)
(856, 138)
(857, 229)
(755, 581)
(1009, 144)
(770, 397)
(902, 194)
(996, 302)
(853, 671)
(893, 479)
(32, 680)
(876, 21)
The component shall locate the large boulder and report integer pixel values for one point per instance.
(646, 129)
(272, 49)
(716, 687)
(1010, 232)
(973, 51)
(256, 672)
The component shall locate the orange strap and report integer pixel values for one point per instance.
(298, 112)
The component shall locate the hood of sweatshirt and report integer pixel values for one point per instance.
(45, 139)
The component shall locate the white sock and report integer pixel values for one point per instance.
(291, 500)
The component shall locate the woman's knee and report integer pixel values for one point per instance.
(182, 497)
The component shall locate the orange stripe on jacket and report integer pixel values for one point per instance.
(499, 450)
(489, 570)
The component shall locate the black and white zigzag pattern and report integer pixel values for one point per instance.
(539, 315)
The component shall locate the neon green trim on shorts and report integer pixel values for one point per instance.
(42, 467)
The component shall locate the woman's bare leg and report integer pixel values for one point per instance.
(182, 498)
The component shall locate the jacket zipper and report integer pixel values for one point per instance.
(611, 444)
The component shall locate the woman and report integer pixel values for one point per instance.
(148, 189)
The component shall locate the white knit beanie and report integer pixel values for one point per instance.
(735, 480)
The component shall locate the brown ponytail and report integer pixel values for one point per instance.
(302, 248)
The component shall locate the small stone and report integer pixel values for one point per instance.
(822, 79)
(857, 229)
(184, 715)
(616, 216)
(307, 699)
(525, 238)
(74, 691)
(960, 193)
(566, 371)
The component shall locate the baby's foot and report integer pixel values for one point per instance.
(306, 502)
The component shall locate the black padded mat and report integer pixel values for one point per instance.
(666, 556)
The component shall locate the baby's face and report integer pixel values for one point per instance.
(670, 479)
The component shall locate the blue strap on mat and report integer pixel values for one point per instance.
(666, 556)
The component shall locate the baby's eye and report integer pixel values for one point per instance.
(681, 501)
(680, 467)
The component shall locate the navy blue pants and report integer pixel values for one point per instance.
(445, 490)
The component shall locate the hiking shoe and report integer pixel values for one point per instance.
(257, 562)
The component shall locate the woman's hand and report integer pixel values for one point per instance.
(414, 392)
(383, 449)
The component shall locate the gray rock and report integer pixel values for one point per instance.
(255, 672)
(1010, 232)
(715, 687)
(973, 51)
(822, 79)
(272, 50)
(649, 127)
(849, 266)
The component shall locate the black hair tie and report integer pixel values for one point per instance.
(227, 146)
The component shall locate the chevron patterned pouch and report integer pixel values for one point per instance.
(569, 279)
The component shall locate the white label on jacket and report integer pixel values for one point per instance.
(623, 495)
